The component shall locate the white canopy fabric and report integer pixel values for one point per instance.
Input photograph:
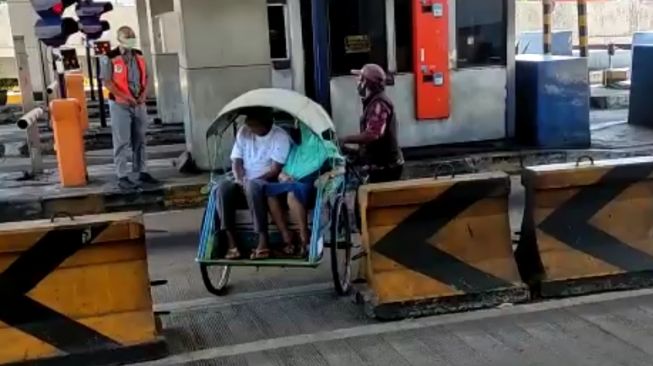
(293, 103)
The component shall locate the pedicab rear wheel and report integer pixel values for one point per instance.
(341, 247)
(221, 272)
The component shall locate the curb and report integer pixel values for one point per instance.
(99, 140)
(610, 102)
(514, 162)
(173, 197)
(188, 195)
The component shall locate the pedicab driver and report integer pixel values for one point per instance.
(125, 74)
(379, 149)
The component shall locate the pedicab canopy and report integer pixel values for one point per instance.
(293, 103)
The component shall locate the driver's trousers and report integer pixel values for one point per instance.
(390, 174)
(229, 194)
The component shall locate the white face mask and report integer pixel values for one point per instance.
(127, 43)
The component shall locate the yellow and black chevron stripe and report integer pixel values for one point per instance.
(437, 245)
(72, 289)
(588, 228)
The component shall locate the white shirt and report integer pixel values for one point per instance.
(259, 152)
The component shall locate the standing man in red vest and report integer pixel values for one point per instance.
(125, 74)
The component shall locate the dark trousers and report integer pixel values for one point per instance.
(254, 191)
(386, 174)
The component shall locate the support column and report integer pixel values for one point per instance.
(165, 60)
(511, 98)
(144, 35)
(22, 18)
(225, 51)
(320, 19)
(154, 9)
(297, 58)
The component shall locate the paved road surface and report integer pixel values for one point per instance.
(292, 317)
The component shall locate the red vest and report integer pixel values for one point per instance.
(121, 76)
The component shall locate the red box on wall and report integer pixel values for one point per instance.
(431, 59)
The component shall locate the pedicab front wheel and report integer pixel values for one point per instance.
(341, 245)
(221, 272)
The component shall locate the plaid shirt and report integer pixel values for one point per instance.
(377, 120)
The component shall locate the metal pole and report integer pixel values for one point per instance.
(44, 77)
(103, 118)
(29, 123)
(52, 88)
(57, 65)
(89, 67)
(320, 16)
(24, 76)
(583, 36)
(547, 10)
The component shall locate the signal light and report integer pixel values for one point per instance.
(52, 29)
(89, 14)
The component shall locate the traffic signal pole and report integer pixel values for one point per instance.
(89, 14)
(89, 67)
(58, 70)
(53, 30)
(103, 117)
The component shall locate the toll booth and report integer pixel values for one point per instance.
(451, 62)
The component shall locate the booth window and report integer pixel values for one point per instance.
(404, 35)
(357, 35)
(481, 27)
(278, 36)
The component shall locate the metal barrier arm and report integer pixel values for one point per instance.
(30, 118)
(29, 123)
(53, 88)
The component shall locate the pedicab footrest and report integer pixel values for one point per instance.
(271, 262)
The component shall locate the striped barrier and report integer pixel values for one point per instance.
(588, 227)
(76, 292)
(583, 35)
(438, 245)
(547, 21)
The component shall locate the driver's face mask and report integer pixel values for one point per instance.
(362, 88)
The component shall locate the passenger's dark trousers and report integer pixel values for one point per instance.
(228, 194)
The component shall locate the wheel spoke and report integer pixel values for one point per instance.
(340, 247)
(215, 278)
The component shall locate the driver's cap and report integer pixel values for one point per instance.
(372, 73)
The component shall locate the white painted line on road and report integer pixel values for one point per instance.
(215, 302)
(384, 328)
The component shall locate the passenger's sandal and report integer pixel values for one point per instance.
(260, 254)
(232, 254)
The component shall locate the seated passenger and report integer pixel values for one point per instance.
(258, 155)
(296, 184)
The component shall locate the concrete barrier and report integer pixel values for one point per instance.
(438, 245)
(587, 227)
(76, 292)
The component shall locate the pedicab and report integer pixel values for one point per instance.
(329, 218)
